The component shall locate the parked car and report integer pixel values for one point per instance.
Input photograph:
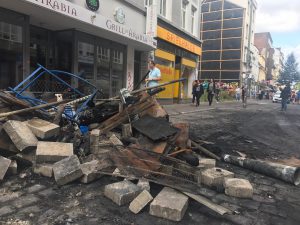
(276, 97)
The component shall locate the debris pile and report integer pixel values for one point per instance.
(128, 136)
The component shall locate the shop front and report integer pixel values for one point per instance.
(74, 37)
(177, 57)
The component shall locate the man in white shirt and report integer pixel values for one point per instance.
(154, 75)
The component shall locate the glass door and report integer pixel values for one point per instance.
(103, 68)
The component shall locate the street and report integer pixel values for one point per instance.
(260, 131)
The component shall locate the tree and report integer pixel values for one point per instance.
(290, 71)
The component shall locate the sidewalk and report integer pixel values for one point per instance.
(177, 109)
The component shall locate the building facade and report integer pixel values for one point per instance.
(278, 59)
(178, 45)
(227, 32)
(100, 40)
(264, 43)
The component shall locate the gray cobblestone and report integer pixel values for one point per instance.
(5, 210)
(24, 201)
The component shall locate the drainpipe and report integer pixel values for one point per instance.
(288, 174)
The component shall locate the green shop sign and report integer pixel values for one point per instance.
(93, 4)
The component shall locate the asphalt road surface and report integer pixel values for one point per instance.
(259, 131)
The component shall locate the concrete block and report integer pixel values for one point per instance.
(214, 177)
(4, 165)
(44, 169)
(144, 184)
(122, 192)
(67, 170)
(169, 204)
(207, 163)
(90, 172)
(6, 143)
(239, 188)
(20, 135)
(198, 177)
(43, 129)
(94, 139)
(52, 151)
(13, 168)
(140, 202)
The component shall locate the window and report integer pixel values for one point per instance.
(148, 2)
(10, 32)
(162, 7)
(117, 57)
(194, 10)
(183, 13)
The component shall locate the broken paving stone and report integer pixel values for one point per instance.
(169, 204)
(4, 165)
(90, 172)
(116, 141)
(67, 170)
(122, 192)
(214, 177)
(239, 188)
(43, 129)
(144, 184)
(207, 163)
(20, 135)
(44, 169)
(140, 201)
(52, 151)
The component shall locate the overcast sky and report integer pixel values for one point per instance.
(282, 19)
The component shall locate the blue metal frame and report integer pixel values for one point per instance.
(38, 73)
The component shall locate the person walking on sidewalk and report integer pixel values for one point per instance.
(199, 91)
(285, 94)
(195, 84)
(238, 94)
(211, 89)
(244, 96)
(154, 75)
(218, 92)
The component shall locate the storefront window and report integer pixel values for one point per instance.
(38, 47)
(11, 54)
(86, 60)
(103, 70)
(117, 71)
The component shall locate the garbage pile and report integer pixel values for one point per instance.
(128, 136)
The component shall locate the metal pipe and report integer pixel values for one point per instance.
(286, 173)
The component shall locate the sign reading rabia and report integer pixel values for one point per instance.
(93, 4)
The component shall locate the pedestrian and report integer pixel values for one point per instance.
(199, 91)
(285, 94)
(298, 97)
(293, 97)
(194, 85)
(244, 96)
(218, 92)
(154, 75)
(238, 94)
(211, 89)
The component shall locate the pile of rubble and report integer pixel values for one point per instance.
(137, 142)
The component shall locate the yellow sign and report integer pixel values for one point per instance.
(179, 41)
